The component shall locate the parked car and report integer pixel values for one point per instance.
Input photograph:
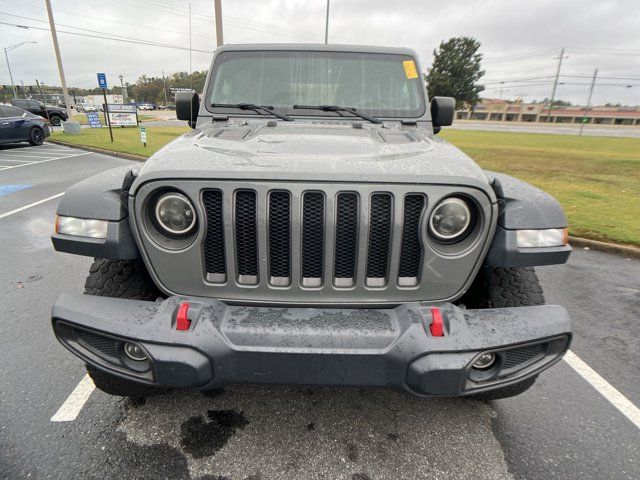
(146, 106)
(55, 115)
(322, 234)
(85, 107)
(17, 125)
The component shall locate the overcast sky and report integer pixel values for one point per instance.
(519, 38)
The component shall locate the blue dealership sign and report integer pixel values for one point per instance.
(94, 120)
(102, 80)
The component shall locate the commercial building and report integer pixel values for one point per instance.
(516, 111)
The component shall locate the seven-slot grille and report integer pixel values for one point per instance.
(331, 239)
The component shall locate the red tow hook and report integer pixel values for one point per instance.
(182, 319)
(437, 324)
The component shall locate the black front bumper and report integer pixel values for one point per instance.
(361, 347)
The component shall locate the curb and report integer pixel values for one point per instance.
(623, 250)
(128, 156)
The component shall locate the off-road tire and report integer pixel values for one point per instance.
(120, 279)
(498, 288)
(55, 120)
(36, 136)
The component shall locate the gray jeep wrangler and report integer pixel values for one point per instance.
(312, 229)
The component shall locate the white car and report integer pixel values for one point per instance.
(88, 108)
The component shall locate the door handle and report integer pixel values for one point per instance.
(5, 123)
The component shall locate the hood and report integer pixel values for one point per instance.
(313, 151)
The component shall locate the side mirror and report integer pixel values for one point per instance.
(187, 106)
(443, 110)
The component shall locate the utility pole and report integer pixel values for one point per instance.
(56, 48)
(164, 82)
(326, 26)
(586, 109)
(555, 83)
(218, 10)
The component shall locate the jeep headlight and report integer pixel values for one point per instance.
(81, 227)
(174, 214)
(550, 237)
(450, 219)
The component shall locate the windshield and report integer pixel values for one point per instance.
(381, 85)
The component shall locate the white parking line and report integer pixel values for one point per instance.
(12, 160)
(39, 155)
(71, 407)
(617, 399)
(17, 210)
(47, 160)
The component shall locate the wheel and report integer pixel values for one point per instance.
(36, 136)
(55, 120)
(498, 288)
(120, 279)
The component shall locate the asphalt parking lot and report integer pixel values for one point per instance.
(573, 424)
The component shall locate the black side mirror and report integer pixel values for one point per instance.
(187, 106)
(443, 109)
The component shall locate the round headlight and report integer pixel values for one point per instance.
(450, 219)
(175, 214)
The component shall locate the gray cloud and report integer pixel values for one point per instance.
(519, 39)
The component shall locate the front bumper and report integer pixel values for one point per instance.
(313, 346)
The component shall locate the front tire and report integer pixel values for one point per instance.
(120, 279)
(36, 136)
(501, 288)
(55, 120)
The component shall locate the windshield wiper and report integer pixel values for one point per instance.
(256, 108)
(338, 109)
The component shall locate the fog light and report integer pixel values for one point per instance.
(484, 361)
(134, 352)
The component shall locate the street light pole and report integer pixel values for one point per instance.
(122, 90)
(6, 56)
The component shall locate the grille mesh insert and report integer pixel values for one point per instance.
(214, 254)
(280, 234)
(246, 234)
(312, 234)
(346, 235)
(411, 250)
(105, 345)
(379, 236)
(515, 357)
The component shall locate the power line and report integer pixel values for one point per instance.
(132, 41)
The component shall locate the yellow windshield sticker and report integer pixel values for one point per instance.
(410, 69)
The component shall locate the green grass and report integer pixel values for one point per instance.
(126, 140)
(82, 118)
(596, 179)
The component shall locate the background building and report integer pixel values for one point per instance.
(497, 110)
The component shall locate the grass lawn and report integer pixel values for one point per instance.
(82, 118)
(596, 179)
(125, 140)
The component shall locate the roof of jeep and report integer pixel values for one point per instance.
(317, 47)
